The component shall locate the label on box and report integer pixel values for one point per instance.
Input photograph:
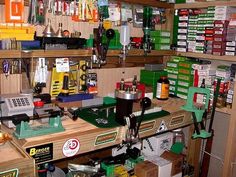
(230, 48)
(183, 30)
(62, 65)
(231, 43)
(183, 18)
(181, 43)
(183, 24)
(41, 153)
(183, 37)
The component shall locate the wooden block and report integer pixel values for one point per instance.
(11, 84)
(15, 159)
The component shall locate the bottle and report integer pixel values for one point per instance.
(162, 91)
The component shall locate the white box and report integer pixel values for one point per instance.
(164, 166)
(177, 175)
(156, 145)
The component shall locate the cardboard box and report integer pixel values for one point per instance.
(176, 159)
(146, 169)
(164, 166)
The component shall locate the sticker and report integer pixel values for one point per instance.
(62, 65)
(71, 147)
(10, 173)
(106, 138)
(41, 153)
(147, 126)
(162, 127)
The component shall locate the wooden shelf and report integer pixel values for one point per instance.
(224, 110)
(204, 4)
(153, 3)
(207, 56)
(5, 54)
(55, 53)
(10, 54)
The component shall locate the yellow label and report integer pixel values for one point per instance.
(107, 24)
(164, 90)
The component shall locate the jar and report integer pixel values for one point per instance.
(178, 136)
(162, 91)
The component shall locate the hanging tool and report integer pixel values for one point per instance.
(6, 67)
(198, 112)
(124, 40)
(99, 34)
(147, 25)
(208, 146)
(65, 86)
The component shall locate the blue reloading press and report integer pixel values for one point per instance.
(198, 112)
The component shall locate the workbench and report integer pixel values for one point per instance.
(80, 137)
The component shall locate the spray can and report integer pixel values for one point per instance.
(162, 92)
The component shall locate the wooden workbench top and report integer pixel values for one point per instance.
(92, 138)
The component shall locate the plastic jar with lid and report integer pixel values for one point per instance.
(162, 91)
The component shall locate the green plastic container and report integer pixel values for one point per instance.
(150, 78)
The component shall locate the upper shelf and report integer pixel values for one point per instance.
(153, 3)
(75, 53)
(207, 56)
(204, 4)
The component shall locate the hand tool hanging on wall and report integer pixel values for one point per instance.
(6, 67)
(65, 86)
(100, 34)
(208, 146)
(147, 25)
(37, 12)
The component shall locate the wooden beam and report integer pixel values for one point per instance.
(230, 151)
(153, 3)
(204, 4)
(193, 151)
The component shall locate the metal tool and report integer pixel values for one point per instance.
(124, 40)
(102, 47)
(6, 67)
(24, 130)
(147, 25)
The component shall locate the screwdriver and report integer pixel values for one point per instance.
(6, 67)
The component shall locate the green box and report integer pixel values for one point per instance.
(181, 89)
(173, 82)
(172, 76)
(182, 95)
(178, 59)
(160, 40)
(188, 71)
(185, 77)
(160, 33)
(186, 64)
(172, 64)
(161, 46)
(171, 70)
(185, 83)
(150, 78)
